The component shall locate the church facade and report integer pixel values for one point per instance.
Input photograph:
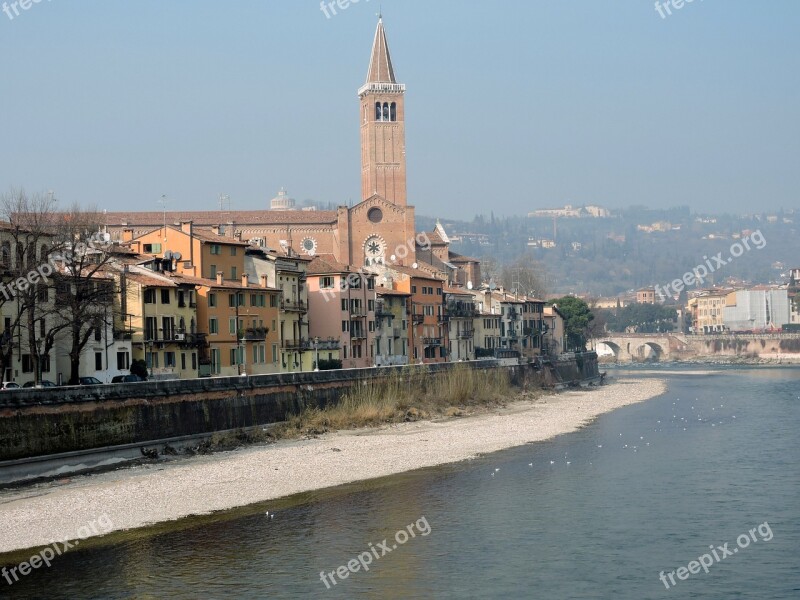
(378, 230)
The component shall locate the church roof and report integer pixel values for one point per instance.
(216, 217)
(380, 63)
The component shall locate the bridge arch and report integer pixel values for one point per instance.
(649, 351)
(613, 347)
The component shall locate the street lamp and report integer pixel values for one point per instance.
(152, 362)
(316, 351)
(243, 355)
(38, 363)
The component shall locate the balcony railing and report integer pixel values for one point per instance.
(417, 319)
(292, 344)
(329, 344)
(294, 305)
(443, 318)
(356, 334)
(253, 334)
(357, 312)
(466, 335)
(432, 341)
(382, 311)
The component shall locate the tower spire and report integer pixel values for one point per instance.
(380, 63)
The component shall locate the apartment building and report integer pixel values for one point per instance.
(288, 274)
(391, 327)
(707, 310)
(428, 329)
(460, 313)
(341, 308)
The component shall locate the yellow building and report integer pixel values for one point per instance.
(707, 310)
(161, 316)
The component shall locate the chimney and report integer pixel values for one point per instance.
(245, 280)
(220, 278)
(215, 229)
(127, 235)
(230, 229)
(186, 227)
(264, 281)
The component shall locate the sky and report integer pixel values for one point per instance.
(510, 106)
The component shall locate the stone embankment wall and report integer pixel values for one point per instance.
(42, 422)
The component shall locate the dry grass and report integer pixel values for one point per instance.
(409, 395)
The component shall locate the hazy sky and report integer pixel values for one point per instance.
(510, 105)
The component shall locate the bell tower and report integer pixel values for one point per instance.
(383, 131)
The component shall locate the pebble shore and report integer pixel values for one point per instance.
(138, 497)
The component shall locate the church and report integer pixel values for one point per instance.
(379, 229)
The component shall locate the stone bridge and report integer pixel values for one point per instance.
(638, 347)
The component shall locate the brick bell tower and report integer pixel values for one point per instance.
(383, 131)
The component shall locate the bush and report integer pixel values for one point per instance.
(139, 367)
(330, 365)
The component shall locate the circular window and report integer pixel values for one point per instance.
(309, 246)
(375, 215)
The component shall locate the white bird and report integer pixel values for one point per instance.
(569, 463)
(497, 469)
(530, 464)
(552, 462)
(599, 445)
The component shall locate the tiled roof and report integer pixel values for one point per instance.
(387, 292)
(322, 266)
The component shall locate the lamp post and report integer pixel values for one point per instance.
(316, 353)
(38, 381)
(243, 356)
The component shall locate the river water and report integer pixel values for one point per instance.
(596, 514)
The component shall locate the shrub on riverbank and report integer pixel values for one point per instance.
(409, 395)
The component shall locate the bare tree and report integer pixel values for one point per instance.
(84, 285)
(27, 239)
(56, 285)
(525, 276)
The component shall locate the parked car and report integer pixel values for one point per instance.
(89, 381)
(45, 383)
(10, 385)
(126, 379)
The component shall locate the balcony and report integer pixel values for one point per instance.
(328, 344)
(466, 335)
(357, 334)
(293, 306)
(432, 341)
(292, 344)
(381, 311)
(461, 311)
(417, 319)
(122, 335)
(443, 318)
(357, 312)
(253, 334)
(512, 315)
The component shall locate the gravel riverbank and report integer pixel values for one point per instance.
(137, 497)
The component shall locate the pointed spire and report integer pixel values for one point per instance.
(380, 64)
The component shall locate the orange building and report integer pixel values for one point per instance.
(240, 321)
(428, 331)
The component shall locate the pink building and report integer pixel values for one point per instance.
(341, 304)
